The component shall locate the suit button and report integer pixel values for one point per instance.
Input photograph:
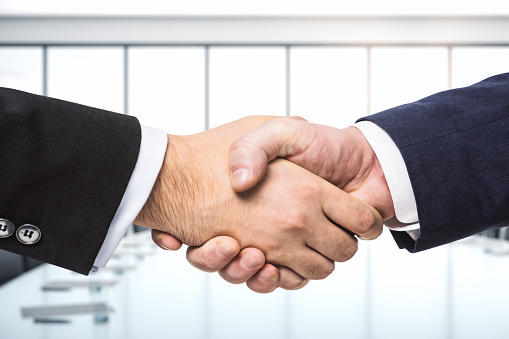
(28, 234)
(6, 228)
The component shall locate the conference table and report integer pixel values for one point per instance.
(455, 291)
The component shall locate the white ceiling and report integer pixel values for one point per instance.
(252, 7)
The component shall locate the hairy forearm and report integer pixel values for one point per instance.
(185, 199)
(290, 214)
(173, 192)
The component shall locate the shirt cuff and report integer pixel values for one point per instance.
(397, 178)
(150, 159)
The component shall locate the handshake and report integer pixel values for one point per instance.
(271, 201)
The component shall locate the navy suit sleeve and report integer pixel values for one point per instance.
(64, 167)
(455, 145)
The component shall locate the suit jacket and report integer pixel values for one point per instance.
(455, 145)
(64, 168)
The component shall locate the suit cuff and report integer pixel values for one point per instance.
(397, 178)
(150, 159)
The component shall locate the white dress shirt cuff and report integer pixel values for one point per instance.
(150, 159)
(397, 178)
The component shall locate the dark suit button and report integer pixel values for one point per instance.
(6, 228)
(28, 234)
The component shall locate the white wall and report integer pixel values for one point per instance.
(254, 7)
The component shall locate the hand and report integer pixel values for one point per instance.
(283, 216)
(299, 142)
(343, 157)
(222, 254)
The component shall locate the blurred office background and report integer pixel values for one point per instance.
(186, 67)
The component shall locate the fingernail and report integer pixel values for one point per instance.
(224, 251)
(248, 261)
(239, 176)
(163, 245)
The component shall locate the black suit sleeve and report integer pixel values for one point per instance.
(64, 167)
(455, 145)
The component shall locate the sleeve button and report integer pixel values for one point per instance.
(28, 234)
(6, 228)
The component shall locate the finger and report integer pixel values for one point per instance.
(290, 280)
(250, 154)
(307, 263)
(214, 254)
(333, 242)
(165, 241)
(244, 266)
(266, 280)
(298, 118)
(351, 213)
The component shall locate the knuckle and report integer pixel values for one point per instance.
(259, 119)
(281, 124)
(366, 221)
(233, 276)
(240, 144)
(299, 118)
(278, 254)
(195, 260)
(292, 219)
(315, 269)
(324, 271)
(261, 288)
(256, 120)
(308, 189)
(295, 283)
(349, 252)
(280, 121)
(201, 260)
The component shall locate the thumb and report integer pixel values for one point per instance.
(250, 154)
(165, 241)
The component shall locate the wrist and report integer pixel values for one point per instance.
(375, 189)
(172, 193)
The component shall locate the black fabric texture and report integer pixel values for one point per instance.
(65, 167)
(455, 145)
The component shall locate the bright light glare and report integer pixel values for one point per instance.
(473, 64)
(329, 85)
(21, 68)
(246, 81)
(254, 7)
(403, 75)
(167, 88)
(91, 76)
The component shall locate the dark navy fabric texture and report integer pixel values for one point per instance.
(455, 145)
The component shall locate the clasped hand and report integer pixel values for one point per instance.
(274, 224)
